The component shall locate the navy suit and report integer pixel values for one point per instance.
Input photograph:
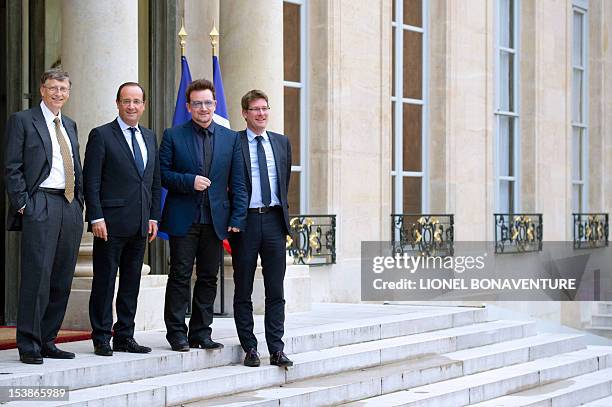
(180, 162)
(116, 191)
(51, 227)
(265, 235)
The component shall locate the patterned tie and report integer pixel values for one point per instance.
(264, 181)
(67, 159)
(137, 153)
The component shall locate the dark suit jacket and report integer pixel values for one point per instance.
(29, 156)
(179, 166)
(114, 189)
(281, 147)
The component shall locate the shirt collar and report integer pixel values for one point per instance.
(251, 135)
(48, 114)
(211, 127)
(124, 126)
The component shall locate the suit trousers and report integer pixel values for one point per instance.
(202, 244)
(125, 254)
(264, 236)
(51, 234)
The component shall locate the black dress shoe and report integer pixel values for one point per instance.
(180, 346)
(129, 345)
(52, 352)
(31, 358)
(280, 359)
(103, 349)
(251, 359)
(205, 343)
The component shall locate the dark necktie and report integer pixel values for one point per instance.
(264, 181)
(208, 147)
(137, 153)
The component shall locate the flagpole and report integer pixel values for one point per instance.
(214, 40)
(182, 34)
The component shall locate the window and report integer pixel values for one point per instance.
(294, 47)
(507, 137)
(580, 143)
(409, 106)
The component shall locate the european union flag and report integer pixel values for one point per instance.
(181, 115)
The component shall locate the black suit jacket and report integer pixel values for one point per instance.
(281, 147)
(114, 189)
(28, 159)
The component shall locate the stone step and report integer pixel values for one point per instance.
(189, 386)
(570, 392)
(605, 307)
(601, 320)
(89, 370)
(604, 402)
(371, 382)
(507, 386)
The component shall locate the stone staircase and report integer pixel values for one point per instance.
(601, 322)
(356, 354)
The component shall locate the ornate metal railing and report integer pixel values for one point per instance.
(518, 232)
(312, 239)
(591, 230)
(423, 234)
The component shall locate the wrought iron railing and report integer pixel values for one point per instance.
(518, 232)
(312, 239)
(591, 230)
(423, 234)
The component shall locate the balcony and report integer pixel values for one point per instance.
(421, 234)
(312, 239)
(591, 230)
(518, 232)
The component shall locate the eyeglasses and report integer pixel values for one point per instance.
(127, 102)
(56, 89)
(259, 109)
(198, 104)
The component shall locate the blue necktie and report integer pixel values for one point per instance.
(137, 154)
(264, 181)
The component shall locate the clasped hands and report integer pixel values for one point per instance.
(200, 184)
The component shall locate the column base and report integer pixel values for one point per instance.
(149, 315)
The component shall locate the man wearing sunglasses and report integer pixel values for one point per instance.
(200, 164)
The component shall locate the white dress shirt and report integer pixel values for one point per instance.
(139, 139)
(56, 178)
(256, 201)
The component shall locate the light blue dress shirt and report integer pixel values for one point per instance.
(256, 201)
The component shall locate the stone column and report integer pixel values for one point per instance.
(100, 52)
(251, 55)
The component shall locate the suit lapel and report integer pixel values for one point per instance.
(246, 154)
(124, 145)
(149, 140)
(276, 151)
(39, 123)
(189, 138)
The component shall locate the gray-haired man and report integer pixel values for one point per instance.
(44, 186)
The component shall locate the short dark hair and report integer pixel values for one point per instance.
(55, 73)
(123, 85)
(200, 84)
(252, 95)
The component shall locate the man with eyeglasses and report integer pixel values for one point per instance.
(200, 165)
(44, 187)
(267, 158)
(122, 191)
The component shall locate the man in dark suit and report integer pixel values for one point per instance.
(44, 186)
(267, 158)
(122, 191)
(200, 163)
